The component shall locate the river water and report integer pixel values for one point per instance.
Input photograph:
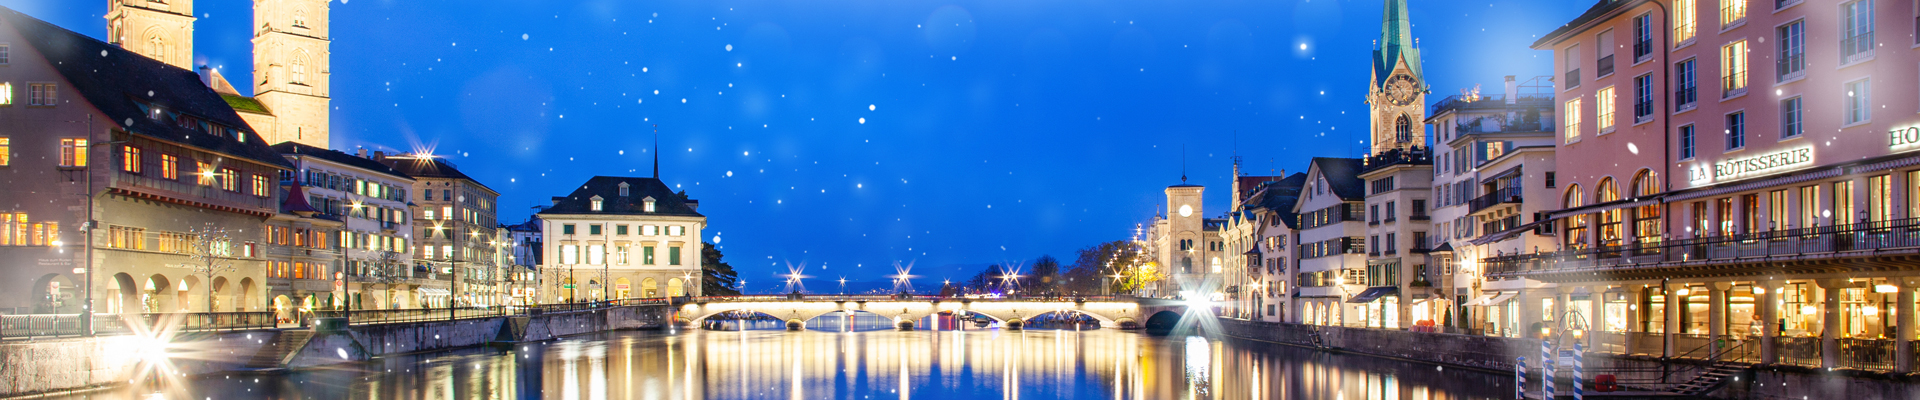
(880, 364)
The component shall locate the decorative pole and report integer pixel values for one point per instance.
(1579, 371)
(1520, 378)
(1546, 368)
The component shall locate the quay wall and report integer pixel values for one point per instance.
(362, 342)
(1497, 355)
(66, 365)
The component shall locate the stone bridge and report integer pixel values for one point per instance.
(1112, 312)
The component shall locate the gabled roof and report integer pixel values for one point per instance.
(122, 84)
(1600, 9)
(1343, 176)
(1280, 196)
(666, 202)
(294, 148)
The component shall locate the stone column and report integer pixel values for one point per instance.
(1830, 322)
(1769, 309)
(1716, 314)
(1903, 324)
(1530, 313)
(1597, 308)
(1634, 294)
(1672, 317)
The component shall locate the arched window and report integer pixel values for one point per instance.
(297, 70)
(1576, 230)
(1610, 219)
(1646, 219)
(156, 45)
(300, 18)
(1403, 130)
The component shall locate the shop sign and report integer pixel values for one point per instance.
(1740, 167)
(1903, 137)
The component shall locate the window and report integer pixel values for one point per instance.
(446, 212)
(1856, 31)
(261, 186)
(1604, 63)
(169, 167)
(1603, 109)
(1723, 208)
(1736, 130)
(646, 255)
(429, 195)
(1572, 116)
(596, 203)
(1777, 209)
(620, 255)
(297, 71)
(42, 94)
(596, 254)
(121, 237)
(566, 229)
(1791, 122)
(674, 230)
(1403, 130)
(650, 230)
(1647, 219)
(428, 213)
(1686, 142)
(620, 230)
(1858, 109)
(1809, 206)
(1733, 69)
(6, 151)
(569, 254)
(1879, 198)
(673, 255)
(1842, 202)
(1610, 234)
(6, 54)
(648, 207)
(229, 180)
(1792, 62)
(1732, 12)
(6, 93)
(73, 152)
(300, 18)
(130, 159)
(1643, 98)
(1642, 37)
(1683, 21)
(1684, 85)
(1573, 67)
(593, 229)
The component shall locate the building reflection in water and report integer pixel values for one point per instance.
(971, 365)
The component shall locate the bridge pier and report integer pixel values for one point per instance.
(904, 325)
(1013, 324)
(796, 325)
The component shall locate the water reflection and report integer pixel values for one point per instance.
(978, 364)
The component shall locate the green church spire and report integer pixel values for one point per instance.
(1396, 43)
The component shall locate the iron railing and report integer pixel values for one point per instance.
(1866, 354)
(1499, 196)
(1797, 350)
(35, 326)
(1815, 241)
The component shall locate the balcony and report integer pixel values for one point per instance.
(1500, 225)
(1409, 156)
(1498, 197)
(1880, 238)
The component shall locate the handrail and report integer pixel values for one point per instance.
(1819, 240)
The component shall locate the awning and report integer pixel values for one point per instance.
(1480, 301)
(1607, 206)
(427, 291)
(1374, 293)
(1502, 298)
(1507, 234)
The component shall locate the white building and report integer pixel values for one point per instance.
(371, 199)
(633, 232)
(1331, 245)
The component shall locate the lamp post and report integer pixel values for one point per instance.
(86, 307)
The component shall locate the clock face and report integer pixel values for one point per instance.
(1401, 89)
(1186, 210)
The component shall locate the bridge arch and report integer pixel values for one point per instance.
(1110, 314)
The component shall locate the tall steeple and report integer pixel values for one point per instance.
(161, 30)
(656, 151)
(1396, 42)
(292, 69)
(1397, 92)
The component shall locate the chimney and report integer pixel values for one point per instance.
(379, 154)
(1513, 91)
(362, 152)
(693, 205)
(557, 199)
(206, 76)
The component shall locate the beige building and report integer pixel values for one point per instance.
(622, 238)
(292, 58)
(457, 226)
(160, 30)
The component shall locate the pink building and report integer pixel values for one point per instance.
(1739, 171)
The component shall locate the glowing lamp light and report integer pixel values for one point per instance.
(1682, 292)
(1885, 288)
(1808, 309)
(1759, 290)
(1870, 311)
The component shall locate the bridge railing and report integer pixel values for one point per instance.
(882, 297)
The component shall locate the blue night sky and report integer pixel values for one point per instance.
(852, 134)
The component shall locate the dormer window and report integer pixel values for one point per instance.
(597, 203)
(623, 189)
(648, 204)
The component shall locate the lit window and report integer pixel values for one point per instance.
(673, 230)
(6, 93)
(1733, 69)
(1603, 109)
(169, 167)
(569, 254)
(73, 152)
(428, 250)
(597, 203)
(1732, 12)
(1683, 16)
(650, 230)
(229, 180)
(596, 254)
(42, 94)
(1572, 116)
(130, 159)
(446, 212)
(6, 151)
(260, 186)
(428, 212)
(649, 205)
(207, 177)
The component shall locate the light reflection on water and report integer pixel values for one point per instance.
(972, 365)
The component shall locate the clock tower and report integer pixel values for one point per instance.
(1398, 92)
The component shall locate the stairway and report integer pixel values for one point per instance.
(1715, 376)
(274, 354)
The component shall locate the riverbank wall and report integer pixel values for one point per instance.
(362, 342)
(1497, 355)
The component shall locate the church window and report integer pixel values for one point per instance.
(156, 46)
(1403, 130)
(300, 18)
(298, 73)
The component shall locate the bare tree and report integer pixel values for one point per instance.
(390, 269)
(211, 249)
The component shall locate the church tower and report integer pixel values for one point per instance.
(159, 29)
(1398, 92)
(291, 69)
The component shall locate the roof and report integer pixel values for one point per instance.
(427, 167)
(296, 149)
(1396, 42)
(246, 104)
(1280, 196)
(121, 84)
(532, 225)
(1600, 9)
(297, 202)
(666, 202)
(1343, 174)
